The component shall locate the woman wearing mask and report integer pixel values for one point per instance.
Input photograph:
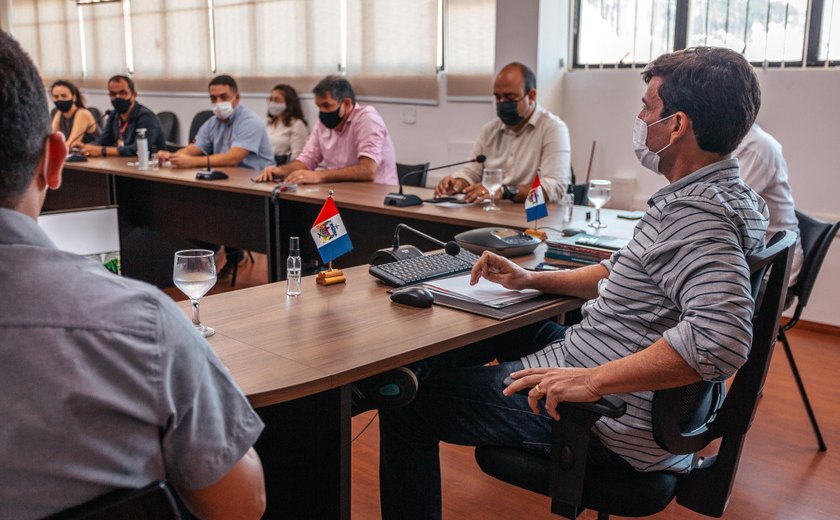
(72, 118)
(286, 126)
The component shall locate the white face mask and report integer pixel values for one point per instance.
(223, 110)
(275, 109)
(649, 159)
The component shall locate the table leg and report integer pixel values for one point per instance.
(305, 452)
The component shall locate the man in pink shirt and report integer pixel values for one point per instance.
(350, 141)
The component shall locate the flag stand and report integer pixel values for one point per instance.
(330, 276)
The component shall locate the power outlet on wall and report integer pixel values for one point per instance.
(409, 115)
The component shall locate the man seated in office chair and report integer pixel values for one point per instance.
(764, 169)
(119, 135)
(105, 383)
(670, 309)
(236, 136)
(523, 139)
(350, 141)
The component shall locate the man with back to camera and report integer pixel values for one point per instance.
(655, 318)
(119, 137)
(236, 136)
(104, 383)
(349, 140)
(764, 169)
(524, 138)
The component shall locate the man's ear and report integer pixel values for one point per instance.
(52, 160)
(682, 124)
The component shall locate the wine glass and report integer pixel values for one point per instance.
(598, 194)
(194, 274)
(492, 181)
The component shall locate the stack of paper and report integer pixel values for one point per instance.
(484, 292)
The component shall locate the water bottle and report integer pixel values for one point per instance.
(142, 149)
(568, 203)
(293, 268)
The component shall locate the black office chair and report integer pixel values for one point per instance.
(418, 179)
(171, 129)
(685, 420)
(198, 120)
(155, 501)
(817, 237)
(97, 115)
(580, 191)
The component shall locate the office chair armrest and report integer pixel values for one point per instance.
(569, 448)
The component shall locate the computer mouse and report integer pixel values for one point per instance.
(570, 232)
(413, 296)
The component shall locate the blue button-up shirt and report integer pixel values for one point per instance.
(243, 129)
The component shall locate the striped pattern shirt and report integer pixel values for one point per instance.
(684, 277)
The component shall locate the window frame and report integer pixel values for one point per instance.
(811, 44)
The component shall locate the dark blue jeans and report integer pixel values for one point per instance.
(460, 401)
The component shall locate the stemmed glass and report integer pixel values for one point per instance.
(194, 274)
(492, 181)
(598, 194)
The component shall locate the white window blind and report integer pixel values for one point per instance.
(49, 31)
(171, 40)
(104, 27)
(392, 37)
(470, 54)
(277, 38)
(764, 31)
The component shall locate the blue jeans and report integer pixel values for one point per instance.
(460, 401)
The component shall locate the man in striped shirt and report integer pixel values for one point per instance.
(672, 308)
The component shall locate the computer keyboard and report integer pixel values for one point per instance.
(422, 268)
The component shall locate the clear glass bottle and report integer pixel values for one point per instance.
(142, 149)
(568, 203)
(293, 268)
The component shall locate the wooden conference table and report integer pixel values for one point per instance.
(295, 359)
(240, 213)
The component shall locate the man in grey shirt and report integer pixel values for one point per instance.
(104, 383)
(672, 308)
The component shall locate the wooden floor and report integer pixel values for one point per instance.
(782, 475)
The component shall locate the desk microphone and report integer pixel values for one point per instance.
(401, 201)
(208, 174)
(397, 252)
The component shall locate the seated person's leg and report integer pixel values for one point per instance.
(462, 405)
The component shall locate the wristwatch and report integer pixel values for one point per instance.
(509, 191)
(104, 151)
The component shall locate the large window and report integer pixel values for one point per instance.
(384, 46)
(775, 33)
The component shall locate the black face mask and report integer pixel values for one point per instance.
(121, 105)
(64, 106)
(508, 113)
(330, 119)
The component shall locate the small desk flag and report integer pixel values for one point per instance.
(329, 233)
(535, 203)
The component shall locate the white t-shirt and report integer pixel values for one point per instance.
(287, 139)
(764, 168)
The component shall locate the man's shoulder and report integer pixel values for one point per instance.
(368, 113)
(548, 119)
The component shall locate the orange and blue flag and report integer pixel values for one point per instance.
(329, 233)
(535, 203)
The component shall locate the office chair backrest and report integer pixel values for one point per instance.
(97, 115)
(580, 191)
(707, 488)
(170, 126)
(817, 237)
(198, 120)
(155, 501)
(418, 179)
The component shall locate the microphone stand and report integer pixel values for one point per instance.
(401, 200)
(208, 174)
(397, 252)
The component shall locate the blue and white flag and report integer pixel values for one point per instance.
(535, 203)
(329, 233)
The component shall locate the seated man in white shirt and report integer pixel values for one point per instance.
(525, 138)
(764, 169)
